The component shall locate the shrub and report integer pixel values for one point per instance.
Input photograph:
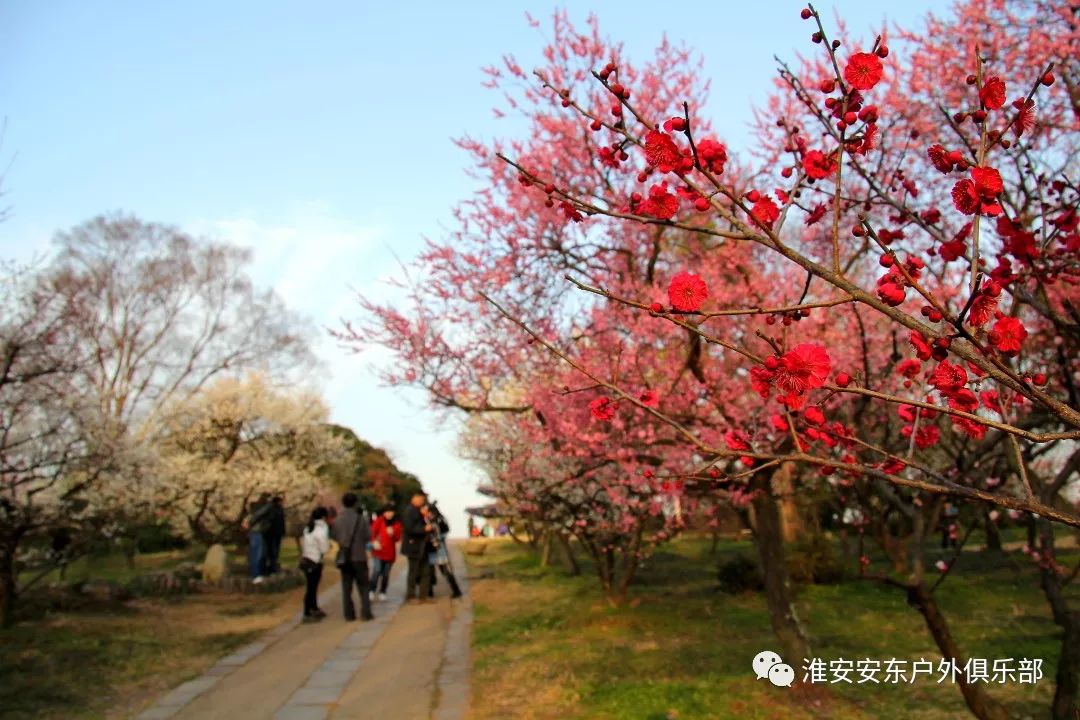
(813, 560)
(740, 574)
(158, 538)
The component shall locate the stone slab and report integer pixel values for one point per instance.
(316, 696)
(341, 665)
(302, 712)
(329, 678)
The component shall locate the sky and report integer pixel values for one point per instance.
(320, 135)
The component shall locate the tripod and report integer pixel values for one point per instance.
(442, 555)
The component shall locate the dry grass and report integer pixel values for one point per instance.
(110, 662)
(522, 683)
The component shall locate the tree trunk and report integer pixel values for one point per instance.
(545, 550)
(513, 536)
(783, 486)
(600, 558)
(993, 535)
(572, 566)
(630, 560)
(896, 550)
(8, 588)
(131, 549)
(981, 705)
(607, 572)
(770, 545)
(1067, 688)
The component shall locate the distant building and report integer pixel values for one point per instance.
(488, 520)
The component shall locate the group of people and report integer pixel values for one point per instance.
(421, 532)
(265, 524)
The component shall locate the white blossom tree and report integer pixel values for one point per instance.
(233, 440)
(160, 314)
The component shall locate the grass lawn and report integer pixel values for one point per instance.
(115, 567)
(546, 645)
(110, 662)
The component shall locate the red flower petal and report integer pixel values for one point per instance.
(948, 378)
(1008, 335)
(803, 368)
(765, 211)
(993, 93)
(603, 408)
(863, 71)
(661, 151)
(818, 165)
(987, 182)
(939, 158)
(965, 197)
(687, 292)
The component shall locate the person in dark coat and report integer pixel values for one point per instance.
(353, 533)
(413, 547)
(256, 523)
(273, 536)
(437, 553)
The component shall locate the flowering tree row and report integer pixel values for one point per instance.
(881, 300)
(962, 329)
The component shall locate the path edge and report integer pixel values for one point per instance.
(172, 702)
(452, 684)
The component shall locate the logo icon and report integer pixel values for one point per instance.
(770, 665)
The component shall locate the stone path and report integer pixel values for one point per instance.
(410, 662)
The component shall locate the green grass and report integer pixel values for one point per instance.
(549, 646)
(115, 567)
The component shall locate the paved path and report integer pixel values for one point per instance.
(411, 662)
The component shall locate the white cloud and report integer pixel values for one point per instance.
(317, 263)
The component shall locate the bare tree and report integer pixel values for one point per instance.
(128, 322)
(160, 314)
(163, 313)
(51, 448)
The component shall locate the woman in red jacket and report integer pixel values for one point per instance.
(385, 534)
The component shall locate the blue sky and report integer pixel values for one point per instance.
(320, 135)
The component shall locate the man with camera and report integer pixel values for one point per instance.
(413, 544)
(437, 552)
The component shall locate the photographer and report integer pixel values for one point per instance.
(416, 529)
(438, 554)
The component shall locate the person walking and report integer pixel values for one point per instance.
(274, 535)
(257, 523)
(314, 544)
(385, 533)
(415, 531)
(353, 533)
(438, 553)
